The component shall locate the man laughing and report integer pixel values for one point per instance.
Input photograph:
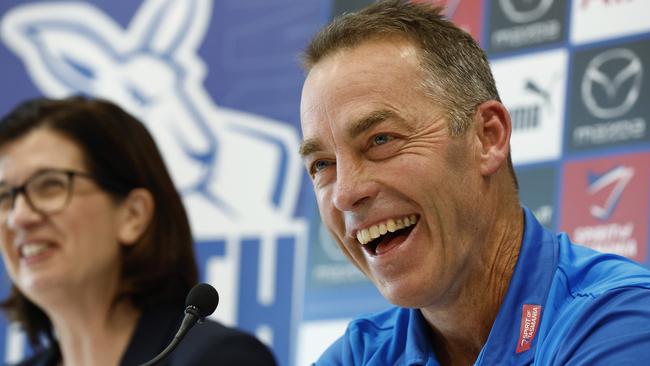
(408, 147)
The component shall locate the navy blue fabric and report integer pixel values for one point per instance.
(595, 310)
(208, 343)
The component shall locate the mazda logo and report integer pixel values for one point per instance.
(596, 78)
(525, 16)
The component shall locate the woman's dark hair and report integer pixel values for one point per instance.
(121, 154)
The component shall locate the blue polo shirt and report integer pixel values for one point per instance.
(565, 305)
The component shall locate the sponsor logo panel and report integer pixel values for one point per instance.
(605, 204)
(517, 24)
(467, 14)
(609, 87)
(535, 101)
(593, 20)
(537, 189)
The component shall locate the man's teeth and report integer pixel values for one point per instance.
(30, 250)
(368, 234)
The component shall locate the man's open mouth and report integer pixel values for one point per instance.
(379, 238)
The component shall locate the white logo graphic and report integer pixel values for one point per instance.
(584, 4)
(232, 167)
(619, 177)
(593, 20)
(612, 84)
(535, 102)
(531, 115)
(525, 16)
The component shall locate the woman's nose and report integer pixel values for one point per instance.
(22, 213)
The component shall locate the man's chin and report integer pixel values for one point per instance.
(406, 298)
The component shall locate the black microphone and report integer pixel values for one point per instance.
(200, 302)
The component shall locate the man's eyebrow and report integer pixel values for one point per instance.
(367, 122)
(309, 146)
(356, 128)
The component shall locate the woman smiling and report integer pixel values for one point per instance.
(97, 243)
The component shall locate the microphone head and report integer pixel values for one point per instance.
(204, 298)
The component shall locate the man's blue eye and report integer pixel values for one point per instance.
(380, 139)
(320, 165)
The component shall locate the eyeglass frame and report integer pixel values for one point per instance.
(15, 191)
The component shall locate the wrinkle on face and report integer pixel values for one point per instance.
(353, 96)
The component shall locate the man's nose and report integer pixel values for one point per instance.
(22, 213)
(354, 185)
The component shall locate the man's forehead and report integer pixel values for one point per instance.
(348, 91)
(316, 131)
(369, 56)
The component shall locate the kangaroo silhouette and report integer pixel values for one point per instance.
(233, 168)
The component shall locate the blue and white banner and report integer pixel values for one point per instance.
(218, 84)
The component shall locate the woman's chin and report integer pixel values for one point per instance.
(40, 286)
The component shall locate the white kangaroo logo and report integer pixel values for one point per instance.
(234, 169)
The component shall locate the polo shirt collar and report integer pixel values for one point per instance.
(529, 285)
(523, 306)
(418, 345)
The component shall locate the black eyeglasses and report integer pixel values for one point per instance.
(47, 192)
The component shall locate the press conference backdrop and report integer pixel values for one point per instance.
(225, 75)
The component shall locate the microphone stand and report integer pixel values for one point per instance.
(192, 316)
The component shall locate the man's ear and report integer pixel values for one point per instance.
(136, 214)
(493, 129)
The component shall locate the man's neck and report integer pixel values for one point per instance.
(461, 328)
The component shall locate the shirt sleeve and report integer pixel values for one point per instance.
(613, 329)
(333, 355)
(364, 343)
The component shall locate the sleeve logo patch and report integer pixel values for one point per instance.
(530, 315)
